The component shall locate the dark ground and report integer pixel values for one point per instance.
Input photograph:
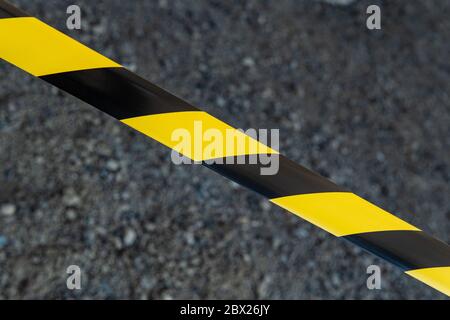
(369, 109)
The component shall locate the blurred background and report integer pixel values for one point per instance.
(368, 109)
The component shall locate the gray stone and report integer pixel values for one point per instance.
(8, 209)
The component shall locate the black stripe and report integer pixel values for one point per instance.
(408, 250)
(9, 11)
(291, 178)
(118, 92)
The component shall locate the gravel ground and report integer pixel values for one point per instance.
(368, 109)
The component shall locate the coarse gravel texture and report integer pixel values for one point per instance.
(368, 109)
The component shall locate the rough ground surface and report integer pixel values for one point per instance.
(368, 109)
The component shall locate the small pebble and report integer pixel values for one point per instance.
(112, 165)
(190, 239)
(221, 102)
(248, 62)
(71, 214)
(8, 209)
(70, 199)
(129, 238)
(301, 233)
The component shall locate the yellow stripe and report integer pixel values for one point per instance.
(187, 133)
(341, 213)
(40, 49)
(438, 278)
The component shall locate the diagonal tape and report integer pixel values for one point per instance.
(58, 59)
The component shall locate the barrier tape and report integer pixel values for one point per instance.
(44, 52)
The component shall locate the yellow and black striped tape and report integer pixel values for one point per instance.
(60, 60)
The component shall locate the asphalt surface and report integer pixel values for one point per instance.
(368, 109)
